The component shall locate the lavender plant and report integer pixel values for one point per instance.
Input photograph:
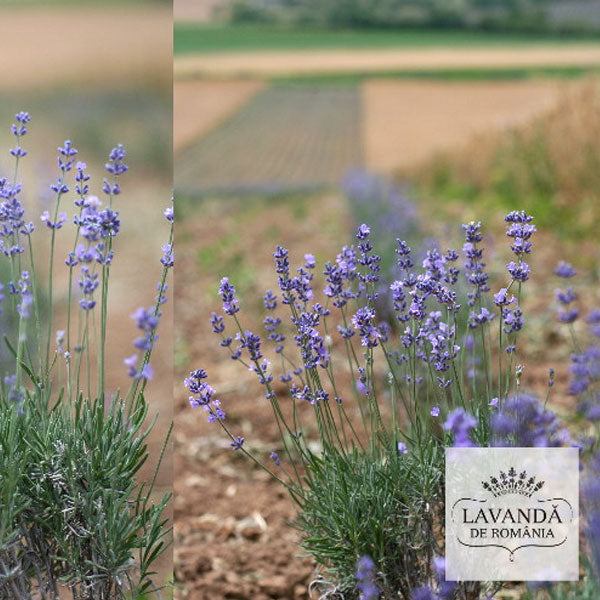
(363, 460)
(73, 513)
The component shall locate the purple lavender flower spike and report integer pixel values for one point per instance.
(19, 129)
(202, 396)
(593, 317)
(66, 152)
(270, 300)
(422, 593)
(363, 322)
(81, 184)
(473, 232)
(585, 370)
(593, 320)
(474, 266)
(365, 579)
(147, 322)
(502, 299)
(309, 261)
(168, 258)
(227, 291)
(517, 216)
(110, 223)
(460, 423)
(565, 270)
(476, 319)
(566, 296)
(522, 421)
(513, 321)
(144, 373)
(271, 324)
(115, 165)
(26, 302)
(446, 589)
(362, 387)
(568, 315)
(88, 283)
(308, 338)
(372, 262)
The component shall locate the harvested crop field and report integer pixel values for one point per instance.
(406, 122)
(289, 62)
(87, 45)
(199, 106)
(287, 137)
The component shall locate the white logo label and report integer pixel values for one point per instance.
(512, 514)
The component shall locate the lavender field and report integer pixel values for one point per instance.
(286, 138)
(385, 264)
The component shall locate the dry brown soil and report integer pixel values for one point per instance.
(231, 538)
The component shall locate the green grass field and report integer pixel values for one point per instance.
(190, 38)
(500, 74)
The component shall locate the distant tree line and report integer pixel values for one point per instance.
(515, 15)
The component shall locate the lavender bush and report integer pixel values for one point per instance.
(72, 512)
(363, 460)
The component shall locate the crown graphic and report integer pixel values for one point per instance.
(512, 483)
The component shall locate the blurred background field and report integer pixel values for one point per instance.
(294, 122)
(99, 73)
